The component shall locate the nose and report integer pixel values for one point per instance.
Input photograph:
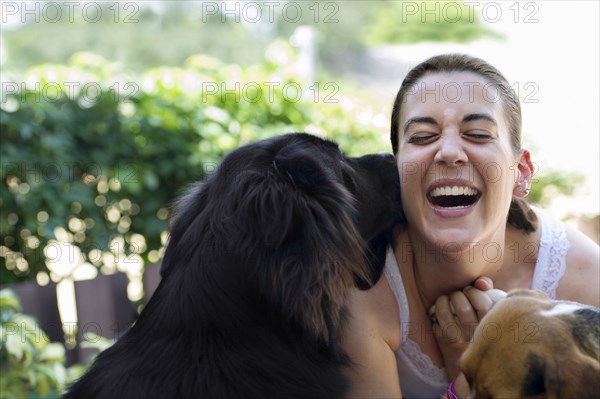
(386, 155)
(450, 151)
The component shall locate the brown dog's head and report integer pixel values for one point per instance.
(530, 347)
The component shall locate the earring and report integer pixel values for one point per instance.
(523, 190)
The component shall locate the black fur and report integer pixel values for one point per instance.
(534, 383)
(254, 278)
(586, 331)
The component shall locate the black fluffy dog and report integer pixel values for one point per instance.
(260, 260)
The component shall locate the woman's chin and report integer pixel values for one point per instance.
(454, 227)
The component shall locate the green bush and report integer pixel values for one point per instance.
(30, 365)
(93, 157)
(552, 183)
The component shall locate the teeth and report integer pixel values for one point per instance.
(454, 190)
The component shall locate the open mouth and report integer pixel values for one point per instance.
(453, 197)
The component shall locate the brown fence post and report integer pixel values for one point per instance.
(151, 281)
(102, 308)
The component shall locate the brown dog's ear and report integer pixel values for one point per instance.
(573, 375)
(580, 379)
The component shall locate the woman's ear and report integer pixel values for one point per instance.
(525, 172)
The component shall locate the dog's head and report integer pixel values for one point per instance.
(287, 221)
(530, 347)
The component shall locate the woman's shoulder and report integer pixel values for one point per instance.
(377, 310)
(370, 337)
(581, 280)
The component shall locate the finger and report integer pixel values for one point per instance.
(479, 301)
(462, 307)
(444, 313)
(465, 314)
(484, 283)
(445, 327)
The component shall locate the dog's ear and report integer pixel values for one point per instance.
(571, 375)
(303, 169)
(583, 382)
(303, 215)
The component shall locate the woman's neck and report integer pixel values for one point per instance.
(442, 269)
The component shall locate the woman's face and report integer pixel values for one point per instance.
(457, 167)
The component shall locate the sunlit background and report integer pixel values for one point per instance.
(547, 49)
(335, 68)
(553, 63)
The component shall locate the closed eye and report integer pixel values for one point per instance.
(421, 138)
(479, 136)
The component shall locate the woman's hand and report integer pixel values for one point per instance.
(456, 317)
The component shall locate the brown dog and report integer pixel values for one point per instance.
(528, 346)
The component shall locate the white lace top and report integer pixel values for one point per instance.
(419, 376)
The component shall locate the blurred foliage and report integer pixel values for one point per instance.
(410, 22)
(549, 185)
(93, 157)
(140, 34)
(30, 365)
(93, 153)
(145, 34)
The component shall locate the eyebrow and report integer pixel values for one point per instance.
(419, 119)
(432, 121)
(474, 117)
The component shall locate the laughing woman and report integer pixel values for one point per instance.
(456, 133)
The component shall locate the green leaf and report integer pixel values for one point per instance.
(16, 346)
(9, 301)
(52, 352)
